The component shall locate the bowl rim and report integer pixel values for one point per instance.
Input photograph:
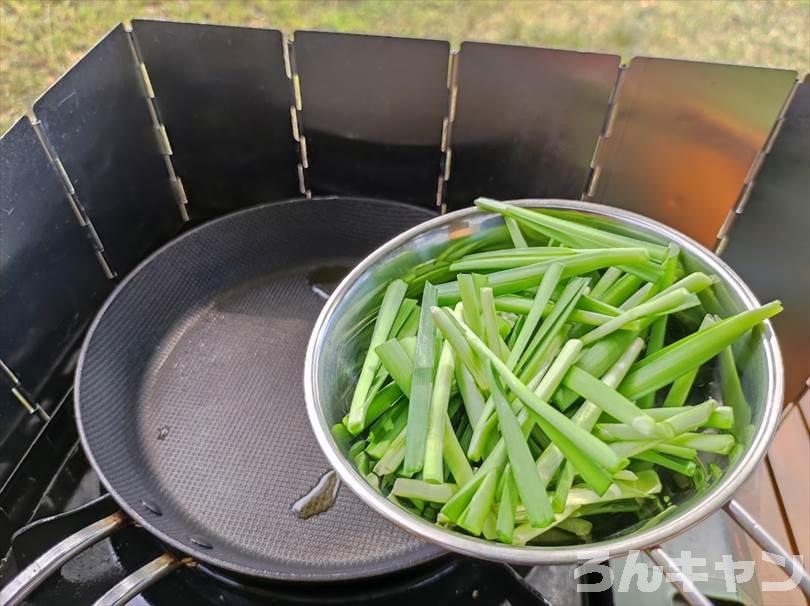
(716, 497)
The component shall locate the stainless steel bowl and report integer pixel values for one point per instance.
(341, 333)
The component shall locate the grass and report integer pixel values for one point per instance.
(39, 40)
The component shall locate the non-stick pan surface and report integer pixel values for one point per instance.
(190, 402)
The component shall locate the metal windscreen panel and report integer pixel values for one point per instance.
(527, 121)
(372, 114)
(683, 138)
(50, 280)
(97, 121)
(769, 243)
(224, 97)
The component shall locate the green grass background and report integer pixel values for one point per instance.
(39, 40)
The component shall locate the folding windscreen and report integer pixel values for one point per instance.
(51, 283)
(372, 113)
(97, 121)
(223, 95)
(526, 121)
(769, 243)
(683, 138)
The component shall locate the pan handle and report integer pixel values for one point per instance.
(791, 564)
(142, 578)
(35, 573)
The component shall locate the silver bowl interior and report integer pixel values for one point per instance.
(343, 330)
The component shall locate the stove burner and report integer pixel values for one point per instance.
(449, 580)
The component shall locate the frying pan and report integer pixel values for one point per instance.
(190, 406)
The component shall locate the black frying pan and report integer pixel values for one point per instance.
(189, 397)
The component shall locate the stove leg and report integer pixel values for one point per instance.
(791, 564)
(35, 573)
(139, 580)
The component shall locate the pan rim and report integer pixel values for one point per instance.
(424, 554)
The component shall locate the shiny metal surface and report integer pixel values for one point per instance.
(527, 121)
(683, 138)
(146, 575)
(769, 243)
(35, 573)
(96, 119)
(714, 539)
(50, 285)
(685, 586)
(50, 280)
(328, 382)
(224, 97)
(372, 114)
(791, 564)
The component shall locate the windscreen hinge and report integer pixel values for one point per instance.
(295, 115)
(20, 394)
(595, 172)
(447, 132)
(161, 135)
(85, 224)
